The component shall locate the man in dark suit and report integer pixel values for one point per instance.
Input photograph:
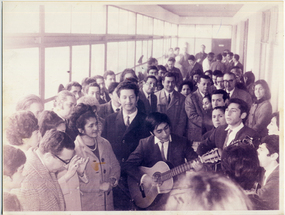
(103, 91)
(123, 130)
(268, 155)
(194, 66)
(171, 68)
(111, 106)
(237, 63)
(230, 84)
(201, 55)
(146, 94)
(160, 146)
(229, 64)
(172, 103)
(194, 109)
(236, 114)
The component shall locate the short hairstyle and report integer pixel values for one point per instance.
(86, 81)
(151, 61)
(62, 96)
(231, 54)
(236, 56)
(176, 48)
(73, 84)
(272, 144)
(241, 164)
(276, 115)
(207, 191)
(26, 102)
(243, 106)
(208, 71)
(189, 83)
(48, 120)
(154, 119)
(223, 92)
(112, 87)
(221, 108)
(151, 68)
(91, 85)
(218, 73)
(21, 125)
(169, 74)
(13, 159)
(98, 77)
(231, 74)
(219, 57)
(150, 76)
(11, 202)
(172, 59)
(108, 72)
(161, 67)
(126, 71)
(89, 100)
(208, 96)
(55, 141)
(128, 85)
(250, 78)
(265, 86)
(224, 54)
(204, 77)
(191, 57)
(211, 54)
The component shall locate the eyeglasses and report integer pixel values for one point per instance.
(65, 162)
(229, 81)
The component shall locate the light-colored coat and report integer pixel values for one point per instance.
(97, 171)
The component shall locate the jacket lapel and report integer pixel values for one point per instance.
(174, 99)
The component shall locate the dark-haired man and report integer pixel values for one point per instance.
(208, 61)
(268, 155)
(171, 68)
(218, 65)
(194, 66)
(201, 55)
(236, 114)
(237, 63)
(75, 88)
(103, 91)
(229, 63)
(109, 77)
(219, 98)
(147, 95)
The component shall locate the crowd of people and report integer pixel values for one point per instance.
(101, 135)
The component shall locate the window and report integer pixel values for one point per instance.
(98, 19)
(139, 52)
(157, 48)
(80, 63)
(97, 59)
(139, 24)
(123, 56)
(113, 17)
(112, 57)
(222, 31)
(204, 31)
(131, 54)
(81, 18)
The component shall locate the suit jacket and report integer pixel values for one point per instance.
(175, 110)
(40, 190)
(218, 65)
(148, 153)
(229, 65)
(149, 108)
(243, 95)
(105, 110)
(240, 66)
(183, 64)
(124, 140)
(197, 66)
(195, 113)
(178, 75)
(218, 137)
(270, 191)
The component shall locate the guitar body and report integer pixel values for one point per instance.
(150, 189)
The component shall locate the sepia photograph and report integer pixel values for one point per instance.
(142, 107)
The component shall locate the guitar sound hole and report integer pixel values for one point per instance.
(157, 178)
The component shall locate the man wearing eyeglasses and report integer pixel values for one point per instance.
(230, 84)
(40, 190)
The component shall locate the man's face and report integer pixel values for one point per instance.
(76, 91)
(161, 73)
(214, 78)
(162, 132)
(238, 74)
(36, 109)
(67, 107)
(176, 52)
(210, 57)
(217, 100)
(203, 48)
(272, 127)
(233, 115)
(149, 85)
(57, 163)
(228, 57)
(229, 82)
(263, 155)
(128, 100)
(153, 72)
(109, 79)
(94, 92)
(101, 83)
(170, 64)
(191, 62)
(206, 104)
(169, 84)
(218, 118)
(204, 85)
(220, 83)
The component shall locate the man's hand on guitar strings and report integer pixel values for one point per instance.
(197, 165)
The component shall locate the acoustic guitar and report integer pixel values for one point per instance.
(159, 178)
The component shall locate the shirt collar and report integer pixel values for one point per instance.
(268, 172)
(156, 140)
(236, 129)
(167, 93)
(146, 95)
(132, 115)
(202, 94)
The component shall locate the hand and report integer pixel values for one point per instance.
(82, 165)
(72, 167)
(113, 182)
(105, 186)
(197, 166)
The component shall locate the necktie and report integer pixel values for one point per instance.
(227, 138)
(169, 98)
(149, 100)
(118, 109)
(128, 121)
(162, 151)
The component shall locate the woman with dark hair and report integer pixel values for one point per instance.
(261, 110)
(186, 88)
(103, 169)
(249, 79)
(22, 130)
(273, 127)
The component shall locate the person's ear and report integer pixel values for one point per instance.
(243, 115)
(81, 131)
(274, 156)
(151, 133)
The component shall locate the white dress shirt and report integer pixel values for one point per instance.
(165, 145)
(132, 116)
(233, 133)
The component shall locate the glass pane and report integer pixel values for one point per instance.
(157, 48)
(20, 76)
(112, 56)
(173, 42)
(80, 63)
(156, 30)
(149, 50)
(123, 20)
(98, 19)
(150, 26)
(81, 18)
(138, 51)
(145, 25)
(132, 23)
(56, 67)
(131, 54)
(18, 14)
(222, 31)
(57, 17)
(160, 26)
(145, 55)
(113, 20)
(173, 30)
(123, 50)
(97, 59)
(139, 24)
(204, 31)
(183, 30)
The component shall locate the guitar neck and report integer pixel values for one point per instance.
(178, 170)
